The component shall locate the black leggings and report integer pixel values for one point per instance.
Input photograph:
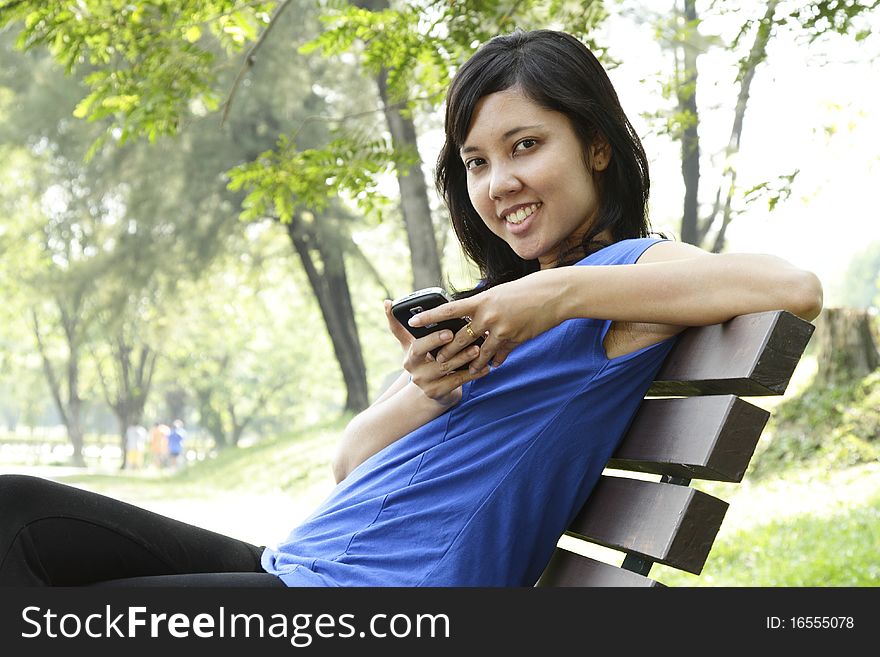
(53, 534)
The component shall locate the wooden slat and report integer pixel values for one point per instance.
(750, 355)
(567, 569)
(669, 524)
(694, 438)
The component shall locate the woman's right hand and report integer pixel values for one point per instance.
(438, 381)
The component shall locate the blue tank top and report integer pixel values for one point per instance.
(480, 495)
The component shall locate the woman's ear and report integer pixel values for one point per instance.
(600, 153)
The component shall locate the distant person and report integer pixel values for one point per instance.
(135, 443)
(159, 444)
(175, 443)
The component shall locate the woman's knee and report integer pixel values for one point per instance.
(22, 495)
(12, 486)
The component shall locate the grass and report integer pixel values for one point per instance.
(837, 426)
(290, 464)
(801, 551)
(831, 538)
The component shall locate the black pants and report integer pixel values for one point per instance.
(52, 534)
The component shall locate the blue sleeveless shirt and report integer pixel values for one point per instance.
(480, 495)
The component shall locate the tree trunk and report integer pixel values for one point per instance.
(70, 409)
(210, 419)
(414, 205)
(846, 349)
(330, 286)
(131, 386)
(424, 257)
(686, 83)
(757, 54)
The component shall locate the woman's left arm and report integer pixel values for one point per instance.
(673, 283)
(680, 284)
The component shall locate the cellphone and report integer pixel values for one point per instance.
(420, 301)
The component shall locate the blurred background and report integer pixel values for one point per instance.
(204, 204)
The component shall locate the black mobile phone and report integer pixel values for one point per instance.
(425, 299)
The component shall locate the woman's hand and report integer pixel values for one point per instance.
(437, 380)
(506, 315)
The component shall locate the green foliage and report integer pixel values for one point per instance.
(840, 16)
(836, 426)
(774, 191)
(243, 349)
(146, 62)
(803, 550)
(396, 40)
(284, 181)
(419, 44)
(149, 64)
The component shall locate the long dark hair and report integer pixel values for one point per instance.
(559, 73)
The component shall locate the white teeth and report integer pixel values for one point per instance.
(520, 215)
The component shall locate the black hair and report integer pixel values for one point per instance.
(580, 89)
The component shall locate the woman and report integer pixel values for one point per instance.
(467, 478)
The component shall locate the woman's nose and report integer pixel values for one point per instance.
(503, 182)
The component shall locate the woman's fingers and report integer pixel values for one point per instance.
(451, 310)
(460, 359)
(455, 379)
(500, 356)
(487, 354)
(464, 337)
(422, 347)
(397, 329)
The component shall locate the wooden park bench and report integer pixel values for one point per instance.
(691, 425)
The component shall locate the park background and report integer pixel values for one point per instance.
(205, 203)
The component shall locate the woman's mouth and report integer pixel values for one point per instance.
(522, 214)
(518, 222)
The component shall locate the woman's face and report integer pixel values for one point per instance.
(527, 177)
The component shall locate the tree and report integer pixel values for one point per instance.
(411, 49)
(152, 62)
(846, 350)
(240, 351)
(132, 364)
(152, 66)
(67, 307)
(682, 35)
(99, 251)
(414, 204)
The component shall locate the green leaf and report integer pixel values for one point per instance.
(193, 33)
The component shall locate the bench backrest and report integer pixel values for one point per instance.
(691, 425)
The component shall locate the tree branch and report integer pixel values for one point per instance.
(11, 5)
(757, 54)
(103, 380)
(51, 379)
(249, 60)
(346, 117)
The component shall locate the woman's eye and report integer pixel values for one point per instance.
(473, 162)
(525, 144)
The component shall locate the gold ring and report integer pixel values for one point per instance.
(470, 331)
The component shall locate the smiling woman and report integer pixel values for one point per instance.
(467, 477)
(534, 122)
(518, 175)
